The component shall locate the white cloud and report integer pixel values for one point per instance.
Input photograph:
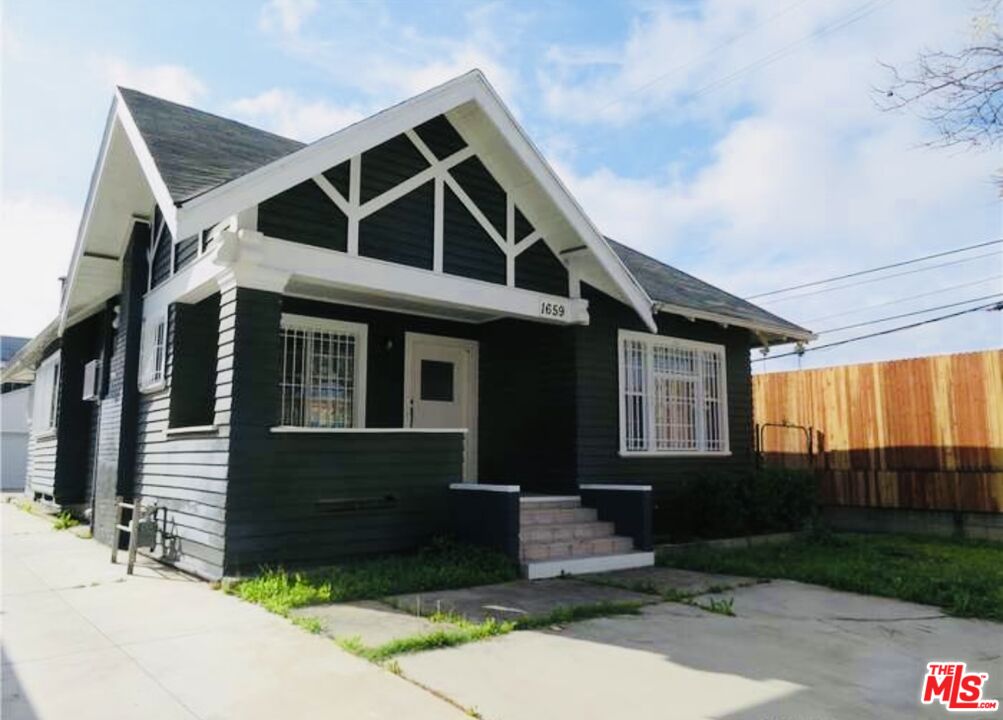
(38, 233)
(403, 61)
(171, 82)
(807, 179)
(286, 16)
(285, 113)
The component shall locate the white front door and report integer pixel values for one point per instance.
(440, 389)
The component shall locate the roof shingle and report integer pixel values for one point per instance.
(196, 151)
(666, 284)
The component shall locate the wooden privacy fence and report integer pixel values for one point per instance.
(919, 434)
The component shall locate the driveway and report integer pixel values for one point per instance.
(81, 639)
(791, 651)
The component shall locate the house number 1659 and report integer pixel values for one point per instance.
(549, 309)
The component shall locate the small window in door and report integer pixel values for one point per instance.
(437, 380)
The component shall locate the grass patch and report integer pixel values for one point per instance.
(461, 633)
(311, 624)
(964, 577)
(578, 613)
(721, 606)
(440, 566)
(64, 521)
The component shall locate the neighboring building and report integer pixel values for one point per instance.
(294, 350)
(14, 400)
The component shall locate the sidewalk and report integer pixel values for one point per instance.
(81, 639)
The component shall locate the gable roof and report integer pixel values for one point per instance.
(205, 204)
(195, 151)
(676, 291)
(201, 168)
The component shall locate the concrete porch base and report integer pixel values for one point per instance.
(578, 566)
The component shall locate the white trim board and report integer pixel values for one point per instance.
(346, 144)
(339, 269)
(484, 488)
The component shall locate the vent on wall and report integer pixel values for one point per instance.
(357, 504)
(92, 380)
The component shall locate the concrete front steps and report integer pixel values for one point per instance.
(557, 536)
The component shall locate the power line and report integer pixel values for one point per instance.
(908, 314)
(990, 306)
(876, 269)
(710, 53)
(855, 15)
(885, 277)
(904, 299)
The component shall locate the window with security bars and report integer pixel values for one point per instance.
(672, 396)
(323, 373)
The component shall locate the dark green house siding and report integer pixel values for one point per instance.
(597, 396)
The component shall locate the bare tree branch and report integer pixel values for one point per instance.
(959, 93)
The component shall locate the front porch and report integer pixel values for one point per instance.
(350, 424)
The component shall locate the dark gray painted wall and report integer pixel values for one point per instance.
(116, 441)
(597, 397)
(186, 475)
(402, 232)
(301, 498)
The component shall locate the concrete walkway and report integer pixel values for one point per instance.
(791, 651)
(81, 639)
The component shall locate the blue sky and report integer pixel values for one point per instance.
(735, 139)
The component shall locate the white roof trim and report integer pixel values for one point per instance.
(119, 111)
(78, 247)
(314, 159)
(737, 322)
(146, 162)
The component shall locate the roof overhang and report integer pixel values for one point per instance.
(21, 367)
(764, 332)
(121, 189)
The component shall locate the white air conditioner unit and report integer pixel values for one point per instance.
(92, 380)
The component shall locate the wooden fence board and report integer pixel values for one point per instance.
(925, 433)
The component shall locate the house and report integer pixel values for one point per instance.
(298, 352)
(14, 399)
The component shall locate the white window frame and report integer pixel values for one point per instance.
(45, 398)
(649, 342)
(153, 367)
(360, 331)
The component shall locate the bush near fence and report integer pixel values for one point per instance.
(721, 504)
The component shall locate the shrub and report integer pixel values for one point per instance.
(721, 504)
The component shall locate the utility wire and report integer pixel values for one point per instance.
(902, 300)
(990, 306)
(692, 61)
(875, 269)
(855, 15)
(885, 277)
(908, 314)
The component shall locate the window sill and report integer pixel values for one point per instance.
(153, 387)
(674, 454)
(296, 429)
(192, 430)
